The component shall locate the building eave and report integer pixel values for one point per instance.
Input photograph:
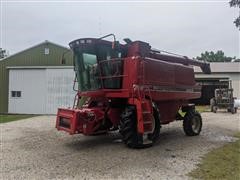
(221, 67)
(39, 67)
(44, 42)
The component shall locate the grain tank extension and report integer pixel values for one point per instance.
(131, 88)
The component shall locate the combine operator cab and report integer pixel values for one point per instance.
(94, 65)
(131, 88)
(98, 65)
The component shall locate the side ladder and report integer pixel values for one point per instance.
(144, 95)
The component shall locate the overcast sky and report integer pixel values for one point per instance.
(187, 28)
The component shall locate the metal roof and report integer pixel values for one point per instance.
(222, 67)
(39, 67)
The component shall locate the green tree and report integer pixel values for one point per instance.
(236, 4)
(214, 57)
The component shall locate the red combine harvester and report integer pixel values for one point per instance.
(131, 88)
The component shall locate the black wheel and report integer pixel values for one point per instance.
(192, 123)
(211, 107)
(215, 109)
(212, 104)
(233, 110)
(128, 130)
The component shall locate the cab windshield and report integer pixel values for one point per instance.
(86, 70)
(98, 67)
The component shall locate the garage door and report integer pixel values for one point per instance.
(40, 91)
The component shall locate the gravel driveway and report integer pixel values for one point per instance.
(34, 149)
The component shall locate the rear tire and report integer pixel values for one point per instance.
(212, 104)
(233, 110)
(215, 109)
(128, 129)
(192, 123)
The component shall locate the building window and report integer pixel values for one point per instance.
(46, 51)
(16, 93)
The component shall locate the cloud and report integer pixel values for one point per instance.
(187, 28)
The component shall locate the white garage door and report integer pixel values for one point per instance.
(40, 91)
(59, 83)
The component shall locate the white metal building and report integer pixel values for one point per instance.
(222, 72)
(40, 90)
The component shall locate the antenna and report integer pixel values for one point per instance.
(100, 26)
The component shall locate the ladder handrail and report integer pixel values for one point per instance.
(74, 83)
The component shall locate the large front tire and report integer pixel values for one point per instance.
(192, 123)
(128, 129)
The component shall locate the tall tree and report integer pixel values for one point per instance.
(236, 4)
(214, 57)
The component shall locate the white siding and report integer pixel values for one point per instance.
(236, 85)
(42, 90)
(59, 89)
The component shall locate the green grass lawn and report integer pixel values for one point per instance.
(13, 117)
(221, 163)
(200, 109)
(203, 109)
